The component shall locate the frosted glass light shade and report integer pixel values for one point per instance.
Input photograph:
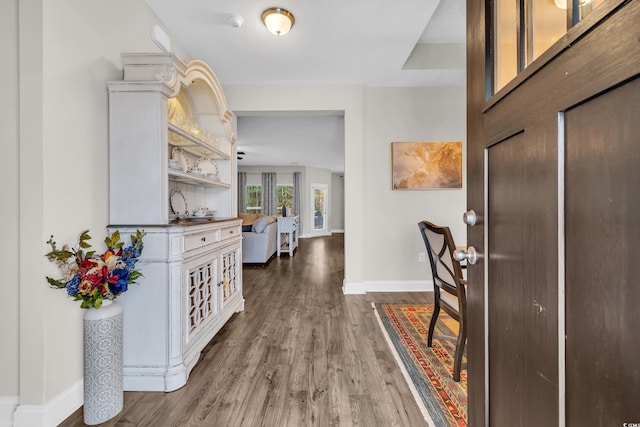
(277, 20)
(562, 4)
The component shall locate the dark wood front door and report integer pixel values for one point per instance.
(554, 175)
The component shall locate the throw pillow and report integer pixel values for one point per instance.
(261, 224)
(247, 227)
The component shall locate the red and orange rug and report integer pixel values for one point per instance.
(428, 371)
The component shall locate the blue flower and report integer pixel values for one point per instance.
(129, 262)
(123, 280)
(72, 286)
(132, 252)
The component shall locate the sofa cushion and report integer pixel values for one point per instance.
(258, 248)
(261, 223)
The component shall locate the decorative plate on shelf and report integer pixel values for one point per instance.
(182, 159)
(208, 167)
(178, 202)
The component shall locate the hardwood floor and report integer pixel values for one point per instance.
(301, 354)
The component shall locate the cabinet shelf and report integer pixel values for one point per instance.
(193, 179)
(195, 145)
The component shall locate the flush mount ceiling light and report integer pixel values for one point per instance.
(278, 20)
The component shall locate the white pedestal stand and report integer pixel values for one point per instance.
(103, 395)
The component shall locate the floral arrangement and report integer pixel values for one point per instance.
(93, 278)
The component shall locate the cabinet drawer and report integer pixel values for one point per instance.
(229, 232)
(287, 224)
(194, 241)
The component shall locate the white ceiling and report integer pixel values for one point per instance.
(365, 42)
(308, 140)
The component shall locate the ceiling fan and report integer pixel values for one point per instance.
(241, 155)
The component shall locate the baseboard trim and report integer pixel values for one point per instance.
(398, 286)
(388, 286)
(146, 378)
(351, 288)
(8, 405)
(54, 411)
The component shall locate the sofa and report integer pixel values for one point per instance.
(259, 238)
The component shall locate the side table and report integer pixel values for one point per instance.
(287, 225)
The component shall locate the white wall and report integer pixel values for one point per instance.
(381, 235)
(9, 243)
(67, 50)
(337, 203)
(407, 114)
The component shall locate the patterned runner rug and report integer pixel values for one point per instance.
(428, 371)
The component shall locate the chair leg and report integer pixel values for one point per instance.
(432, 323)
(462, 338)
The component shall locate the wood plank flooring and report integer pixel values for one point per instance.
(301, 354)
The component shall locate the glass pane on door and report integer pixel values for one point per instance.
(506, 43)
(549, 24)
(522, 31)
(588, 6)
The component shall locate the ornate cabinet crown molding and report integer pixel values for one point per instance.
(175, 74)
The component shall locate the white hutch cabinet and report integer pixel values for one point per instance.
(192, 265)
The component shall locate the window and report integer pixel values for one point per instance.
(254, 198)
(523, 30)
(253, 194)
(284, 194)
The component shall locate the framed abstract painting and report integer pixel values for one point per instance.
(426, 165)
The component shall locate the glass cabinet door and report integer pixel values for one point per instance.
(201, 288)
(231, 269)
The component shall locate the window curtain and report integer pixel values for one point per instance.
(269, 198)
(297, 197)
(242, 192)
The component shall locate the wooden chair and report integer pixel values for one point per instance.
(449, 286)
